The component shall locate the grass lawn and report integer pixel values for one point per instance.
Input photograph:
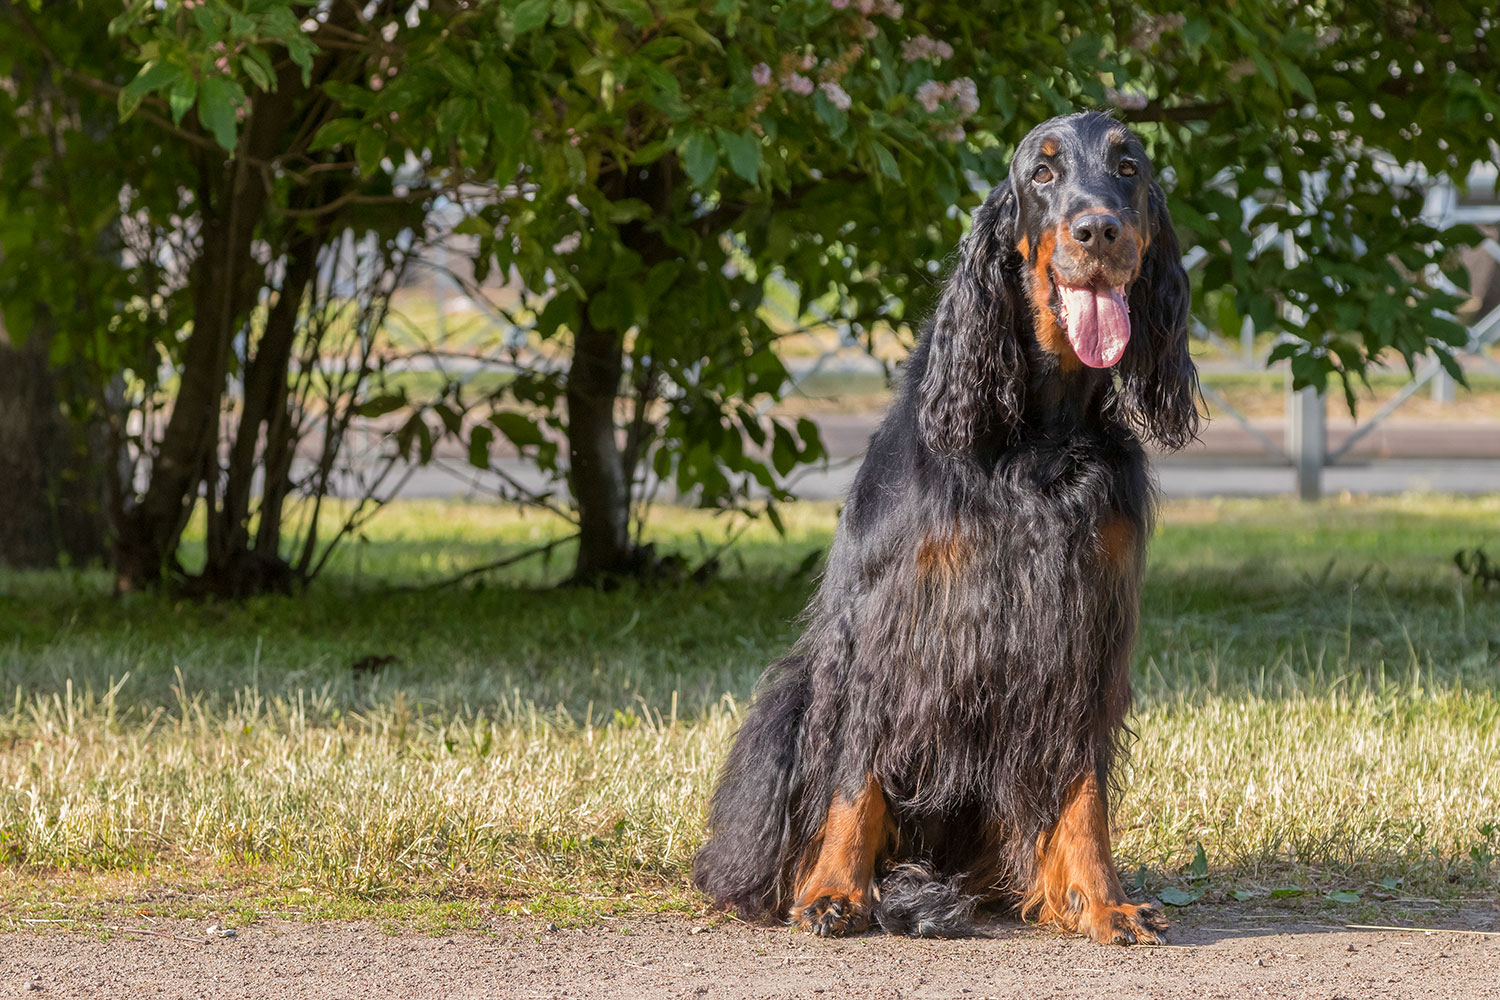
(1318, 711)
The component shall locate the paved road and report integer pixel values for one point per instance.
(1445, 457)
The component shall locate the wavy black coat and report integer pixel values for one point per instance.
(968, 645)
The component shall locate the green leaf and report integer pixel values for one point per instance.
(369, 148)
(258, 67)
(1344, 896)
(338, 132)
(836, 119)
(379, 406)
(1286, 892)
(1174, 896)
(184, 93)
(529, 15)
(743, 150)
(152, 77)
(774, 516)
(1241, 895)
(1229, 317)
(1195, 31)
(635, 11)
(783, 449)
(812, 440)
(1297, 79)
(218, 99)
(1451, 366)
(560, 310)
(700, 158)
(886, 161)
(479, 447)
(125, 21)
(519, 428)
(1199, 867)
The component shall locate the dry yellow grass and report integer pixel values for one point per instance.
(1310, 723)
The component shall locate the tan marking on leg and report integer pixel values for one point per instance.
(836, 880)
(1077, 887)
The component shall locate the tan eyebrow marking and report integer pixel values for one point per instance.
(1049, 147)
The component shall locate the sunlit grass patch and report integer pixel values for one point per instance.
(1318, 710)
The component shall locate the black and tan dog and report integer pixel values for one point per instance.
(947, 728)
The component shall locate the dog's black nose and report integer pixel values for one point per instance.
(1096, 230)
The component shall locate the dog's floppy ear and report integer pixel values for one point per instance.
(974, 378)
(1158, 383)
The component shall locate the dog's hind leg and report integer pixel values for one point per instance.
(1076, 885)
(835, 886)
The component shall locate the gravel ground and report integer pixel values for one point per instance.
(1221, 956)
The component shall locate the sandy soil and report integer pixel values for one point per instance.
(1223, 955)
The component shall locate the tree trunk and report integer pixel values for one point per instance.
(596, 474)
(232, 196)
(599, 472)
(51, 472)
(151, 530)
(234, 568)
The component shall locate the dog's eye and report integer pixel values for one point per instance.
(1042, 174)
(1126, 168)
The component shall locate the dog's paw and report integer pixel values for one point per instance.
(832, 916)
(1124, 923)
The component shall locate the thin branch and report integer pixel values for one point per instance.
(489, 567)
(355, 198)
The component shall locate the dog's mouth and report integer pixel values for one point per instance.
(1096, 317)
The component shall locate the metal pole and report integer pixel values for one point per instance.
(1443, 390)
(1306, 433)
(1306, 439)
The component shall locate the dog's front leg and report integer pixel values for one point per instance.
(836, 880)
(1077, 887)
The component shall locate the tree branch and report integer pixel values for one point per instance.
(491, 566)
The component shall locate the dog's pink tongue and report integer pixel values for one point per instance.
(1098, 323)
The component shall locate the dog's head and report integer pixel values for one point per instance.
(1072, 257)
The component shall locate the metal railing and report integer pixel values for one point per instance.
(1305, 444)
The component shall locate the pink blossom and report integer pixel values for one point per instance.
(797, 84)
(965, 95)
(809, 61)
(838, 4)
(953, 133)
(868, 29)
(1123, 100)
(836, 95)
(893, 10)
(761, 74)
(931, 94)
(925, 47)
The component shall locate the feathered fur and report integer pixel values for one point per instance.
(968, 648)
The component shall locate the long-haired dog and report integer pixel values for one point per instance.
(946, 730)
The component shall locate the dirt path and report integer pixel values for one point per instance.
(1222, 956)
